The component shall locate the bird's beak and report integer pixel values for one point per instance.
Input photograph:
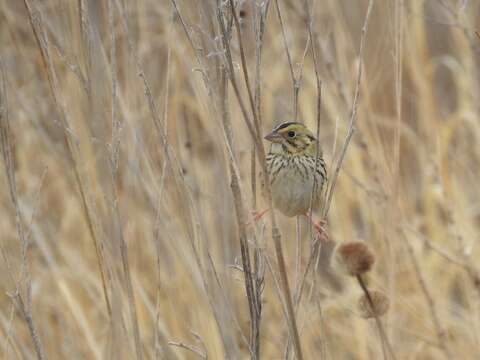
(273, 137)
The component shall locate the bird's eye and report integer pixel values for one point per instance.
(291, 134)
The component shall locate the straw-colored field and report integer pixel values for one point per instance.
(121, 130)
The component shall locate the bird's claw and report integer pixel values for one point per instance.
(257, 215)
(321, 228)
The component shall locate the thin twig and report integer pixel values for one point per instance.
(194, 231)
(229, 305)
(383, 335)
(440, 251)
(117, 220)
(23, 304)
(241, 223)
(41, 38)
(318, 150)
(244, 67)
(441, 334)
(353, 115)
(295, 81)
(255, 133)
(258, 258)
(190, 348)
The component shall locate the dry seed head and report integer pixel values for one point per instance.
(353, 258)
(380, 303)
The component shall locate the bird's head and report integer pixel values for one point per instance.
(293, 138)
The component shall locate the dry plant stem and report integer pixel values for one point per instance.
(26, 245)
(6, 147)
(157, 225)
(319, 91)
(116, 125)
(253, 279)
(276, 236)
(441, 252)
(296, 78)
(170, 157)
(260, 32)
(156, 239)
(253, 177)
(324, 352)
(317, 149)
(393, 213)
(278, 287)
(316, 243)
(297, 297)
(194, 233)
(159, 125)
(386, 347)
(298, 253)
(126, 268)
(244, 67)
(231, 75)
(441, 335)
(169, 154)
(117, 221)
(275, 232)
(190, 348)
(187, 33)
(311, 260)
(295, 81)
(227, 301)
(36, 23)
(9, 337)
(398, 81)
(353, 115)
(258, 258)
(254, 302)
(259, 23)
(203, 68)
(74, 68)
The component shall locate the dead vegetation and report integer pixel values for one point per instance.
(131, 139)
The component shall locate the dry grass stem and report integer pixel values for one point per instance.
(388, 352)
(21, 296)
(441, 334)
(353, 114)
(133, 159)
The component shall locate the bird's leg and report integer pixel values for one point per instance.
(320, 226)
(258, 215)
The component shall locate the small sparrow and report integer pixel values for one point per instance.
(294, 172)
(293, 169)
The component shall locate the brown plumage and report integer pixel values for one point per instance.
(293, 169)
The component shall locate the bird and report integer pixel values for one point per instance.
(295, 170)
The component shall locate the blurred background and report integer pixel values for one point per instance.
(118, 232)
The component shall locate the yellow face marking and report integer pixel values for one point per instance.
(296, 137)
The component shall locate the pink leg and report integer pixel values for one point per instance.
(320, 227)
(259, 215)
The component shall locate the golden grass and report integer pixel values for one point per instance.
(93, 189)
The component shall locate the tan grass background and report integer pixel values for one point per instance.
(409, 186)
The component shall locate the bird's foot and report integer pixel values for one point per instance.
(321, 228)
(258, 215)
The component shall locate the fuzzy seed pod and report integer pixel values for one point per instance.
(353, 258)
(380, 304)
